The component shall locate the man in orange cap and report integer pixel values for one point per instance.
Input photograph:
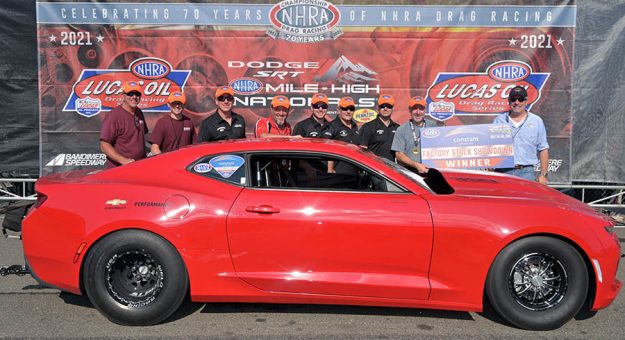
(343, 128)
(377, 135)
(122, 138)
(316, 125)
(275, 125)
(224, 123)
(174, 130)
(407, 141)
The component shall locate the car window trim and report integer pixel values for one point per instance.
(304, 153)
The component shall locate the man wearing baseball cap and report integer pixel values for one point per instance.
(529, 138)
(224, 123)
(122, 138)
(275, 125)
(343, 128)
(174, 130)
(407, 140)
(377, 135)
(315, 125)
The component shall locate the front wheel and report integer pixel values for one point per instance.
(135, 278)
(538, 283)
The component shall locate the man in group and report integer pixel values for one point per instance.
(377, 135)
(122, 138)
(529, 138)
(407, 140)
(343, 128)
(174, 130)
(275, 125)
(316, 124)
(224, 123)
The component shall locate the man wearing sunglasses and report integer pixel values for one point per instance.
(529, 138)
(316, 124)
(407, 140)
(122, 138)
(174, 130)
(343, 128)
(224, 123)
(377, 135)
(275, 125)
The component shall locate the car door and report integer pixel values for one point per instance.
(323, 236)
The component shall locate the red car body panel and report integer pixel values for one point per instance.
(407, 249)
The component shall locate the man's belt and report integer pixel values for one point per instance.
(519, 166)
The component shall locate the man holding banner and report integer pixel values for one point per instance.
(122, 138)
(529, 138)
(407, 140)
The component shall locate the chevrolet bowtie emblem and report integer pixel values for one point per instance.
(115, 202)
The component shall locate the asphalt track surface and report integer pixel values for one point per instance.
(29, 311)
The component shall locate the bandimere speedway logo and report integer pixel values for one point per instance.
(99, 90)
(304, 21)
(78, 159)
(485, 93)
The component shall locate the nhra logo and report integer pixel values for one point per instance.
(156, 78)
(78, 159)
(88, 106)
(430, 133)
(304, 21)
(486, 93)
(245, 86)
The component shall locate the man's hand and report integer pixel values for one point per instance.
(422, 169)
(543, 179)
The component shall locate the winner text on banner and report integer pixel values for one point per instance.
(480, 146)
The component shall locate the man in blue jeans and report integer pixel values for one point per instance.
(529, 138)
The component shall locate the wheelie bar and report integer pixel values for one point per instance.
(15, 269)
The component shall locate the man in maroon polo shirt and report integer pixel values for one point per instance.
(174, 130)
(122, 138)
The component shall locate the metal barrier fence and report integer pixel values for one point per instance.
(599, 196)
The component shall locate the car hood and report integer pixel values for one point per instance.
(496, 185)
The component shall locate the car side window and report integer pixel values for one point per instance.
(226, 167)
(310, 172)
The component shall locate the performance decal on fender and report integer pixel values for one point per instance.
(482, 93)
(101, 89)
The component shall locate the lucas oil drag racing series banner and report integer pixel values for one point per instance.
(463, 59)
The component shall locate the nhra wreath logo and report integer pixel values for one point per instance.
(101, 89)
(483, 93)
(304, 21)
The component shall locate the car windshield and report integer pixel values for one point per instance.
(433, 181)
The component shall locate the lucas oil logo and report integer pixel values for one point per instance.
(484, 93)
(155, 76)
(304, 21)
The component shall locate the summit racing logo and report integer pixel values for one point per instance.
(78, 159)
(304, 21)
(485, 93)
(101, 89)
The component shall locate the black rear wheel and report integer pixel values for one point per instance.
(135, 277)
(538, 283)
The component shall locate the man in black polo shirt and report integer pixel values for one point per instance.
(377, 135)
(315, 125)
(224, 123)
(343, 128)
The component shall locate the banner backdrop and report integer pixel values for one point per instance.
(463, 59)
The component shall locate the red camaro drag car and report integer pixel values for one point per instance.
(263, 221)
